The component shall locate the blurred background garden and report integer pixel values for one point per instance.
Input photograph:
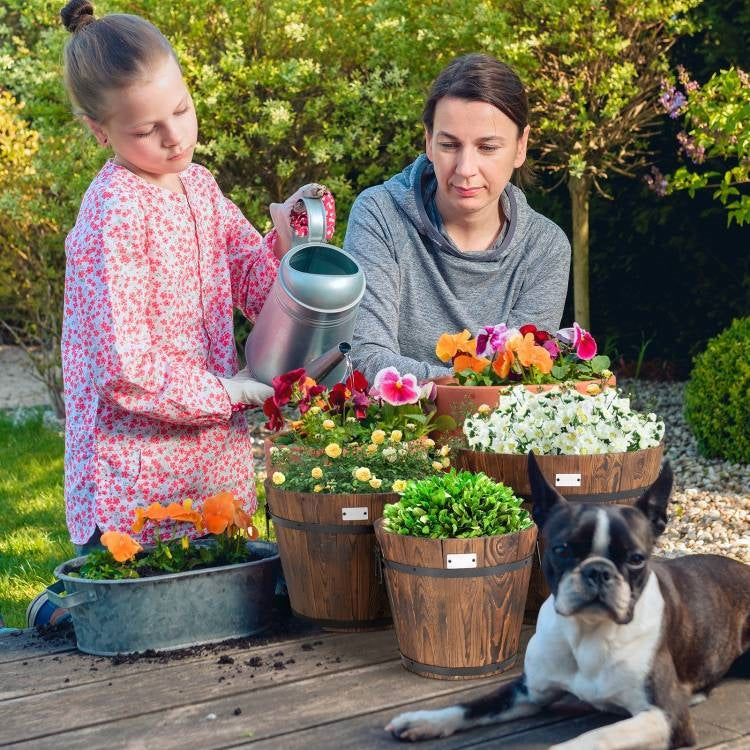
(640, 139)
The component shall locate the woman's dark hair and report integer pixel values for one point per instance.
(481, 78)
(107, 53)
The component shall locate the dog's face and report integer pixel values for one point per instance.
(596, 557)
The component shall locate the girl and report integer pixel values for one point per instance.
(449, 243)
(156, 262)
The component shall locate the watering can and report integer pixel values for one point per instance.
(308, 318)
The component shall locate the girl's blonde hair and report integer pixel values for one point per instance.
(111, 52)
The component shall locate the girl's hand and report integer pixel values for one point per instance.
(281, 214)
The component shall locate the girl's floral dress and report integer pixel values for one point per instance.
(151, 281)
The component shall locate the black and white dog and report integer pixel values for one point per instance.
(622, 632)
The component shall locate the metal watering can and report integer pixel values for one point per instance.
(309, 314)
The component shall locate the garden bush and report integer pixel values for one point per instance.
(717, 396)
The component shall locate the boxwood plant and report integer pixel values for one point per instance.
(456, 505)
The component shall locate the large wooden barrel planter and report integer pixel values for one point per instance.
(603, 479)
(457, 604)
(329, 556)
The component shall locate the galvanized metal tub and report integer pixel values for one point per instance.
(172, 611)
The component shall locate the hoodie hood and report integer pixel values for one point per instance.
(414, 188)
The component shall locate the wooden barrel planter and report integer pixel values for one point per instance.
(603, 479)
(329, 556)
(457, 604)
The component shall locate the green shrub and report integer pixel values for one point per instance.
(458, 505)
(717, 396)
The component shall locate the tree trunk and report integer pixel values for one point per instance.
(580, 193)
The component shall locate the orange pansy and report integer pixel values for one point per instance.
(450, 344)
(218, 512)
(469, 362)
(502, 362)
(530, 353)
(122, 546)
(184, 512)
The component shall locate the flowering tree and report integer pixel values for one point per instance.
(715, 118)
(592, 68)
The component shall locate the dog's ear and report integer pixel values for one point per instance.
(544, 496)
(653, 502)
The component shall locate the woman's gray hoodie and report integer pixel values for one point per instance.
(420, 285)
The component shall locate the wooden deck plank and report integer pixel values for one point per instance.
(338, 692)
(28, 645)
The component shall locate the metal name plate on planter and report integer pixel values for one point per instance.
(461, 561)
(354, 514)
(567, 480)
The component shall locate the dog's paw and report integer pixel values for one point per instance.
(425, 725)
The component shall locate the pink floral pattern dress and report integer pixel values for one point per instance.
(151, 281)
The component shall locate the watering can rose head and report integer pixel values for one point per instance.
(353, 411)
(499, 355)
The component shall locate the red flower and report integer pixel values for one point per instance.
(283, 385)
(272, 411)
(539, 336)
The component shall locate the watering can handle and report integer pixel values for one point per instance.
(316, 222)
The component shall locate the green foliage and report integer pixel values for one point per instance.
(717, 396)
(358, 468)
(167, 556)
(457, 505)
(716, 140)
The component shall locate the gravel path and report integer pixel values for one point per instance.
(710, 509)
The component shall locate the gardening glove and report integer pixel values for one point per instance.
(243, 389)
(285, 215)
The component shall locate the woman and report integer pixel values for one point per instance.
(449, 243)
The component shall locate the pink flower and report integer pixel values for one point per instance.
(493, 339)
(552, 348)
(395, 389)
(582, 341)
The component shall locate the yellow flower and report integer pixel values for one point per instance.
(378, 436)
(484, 409)
(318, 488)
(606, 374)
(185, 542)
(399, 485)
(328, 424)
(593, 388)
(437, 465)
(375, 483)
(316, 473)
(278, 478)
(446, 462)
(396, 436)
(314, 410)
(362, 474)
(445, 450)
(333, 450)
(428, 442)
(372, 448)
(296, 424)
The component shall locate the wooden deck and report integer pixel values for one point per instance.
(311, 691)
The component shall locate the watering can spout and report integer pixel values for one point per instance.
(323, 365)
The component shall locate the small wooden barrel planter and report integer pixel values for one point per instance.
(603, 479)
(457, 604)
(329, 556)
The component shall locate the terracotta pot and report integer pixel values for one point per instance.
(602, 479)
(458, 401)
(328, 555)
(457, 618)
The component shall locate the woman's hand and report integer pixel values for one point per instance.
(243, 389)
(281, 214)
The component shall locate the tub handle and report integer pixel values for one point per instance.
(84, 596)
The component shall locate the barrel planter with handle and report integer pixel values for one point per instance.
(605, 479)
(329, 556)
(457, 604)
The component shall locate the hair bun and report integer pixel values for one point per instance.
(77, 14)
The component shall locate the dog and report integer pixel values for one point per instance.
(621, 631)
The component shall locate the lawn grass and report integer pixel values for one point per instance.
(34, 539)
